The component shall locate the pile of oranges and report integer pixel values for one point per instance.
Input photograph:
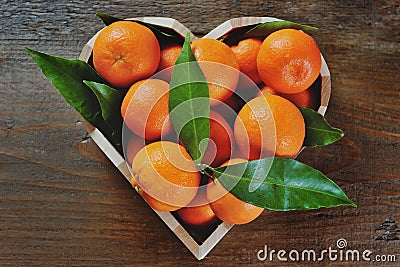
(283, 66)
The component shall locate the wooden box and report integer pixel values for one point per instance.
(199, 248)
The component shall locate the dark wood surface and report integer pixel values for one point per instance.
(63, 203)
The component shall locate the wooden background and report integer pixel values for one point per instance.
(63, 203)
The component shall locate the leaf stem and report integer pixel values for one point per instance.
(203, 170)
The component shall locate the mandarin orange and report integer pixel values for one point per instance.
(269, 125)
(145, 109)
(246, 52)
(289, 61)
(222, 77)
(166, 175)
(125, 52)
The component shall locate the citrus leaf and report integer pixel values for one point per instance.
(67, 76)
(285, 185)
(110, 99)
(160, 30)
(189, 103)
(266, 28)
(318, 131)
(107, 19)
(157, 29)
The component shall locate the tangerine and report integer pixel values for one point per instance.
(269, 125)
(306, 99)
(246, 52)
(222, 78)
(125, 52)
(145, 109)
(266, 90)
(289, 61)
(198, 212)
(166, 175)
(135, 143)
(222, 141)
(169, 55)
(309, 98)
(228, 207)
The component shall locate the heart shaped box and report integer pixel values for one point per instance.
(199, 248)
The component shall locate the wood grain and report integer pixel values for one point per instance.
(63, 203)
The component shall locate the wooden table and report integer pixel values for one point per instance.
(63, 203)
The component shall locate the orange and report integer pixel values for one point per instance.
(222, 140)
(258, 134)
(228, 207)
(166, 175)
(289, 61)
(197, 213)
(246, 52)
(254, 130)
(169, 55)
(266, 90)
(222, 79)
(135, 143)
(307, 99)
(145, 109)
(125, 52)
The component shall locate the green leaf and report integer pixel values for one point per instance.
(267, 28)
(67, 76)
(107, 19)
(318, 131)
(157, 30)
(285, 185)
(110, 100)
(189, 103)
